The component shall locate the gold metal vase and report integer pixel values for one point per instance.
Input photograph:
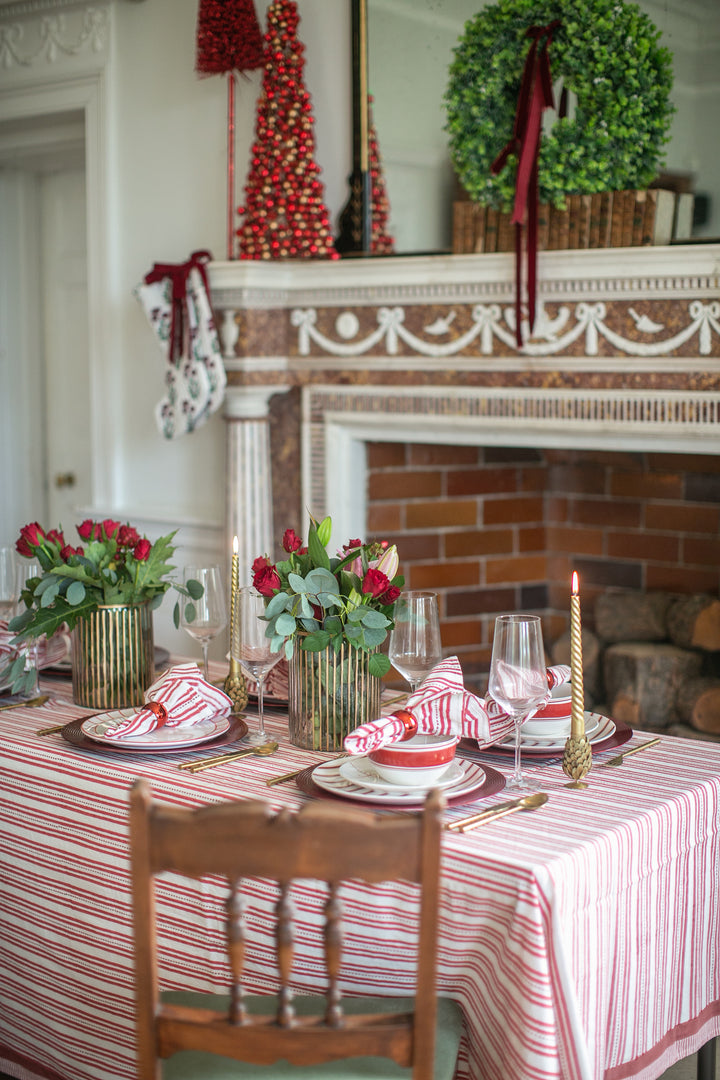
(113, 656)
(330, 694)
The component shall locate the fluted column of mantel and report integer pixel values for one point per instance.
(248, 496)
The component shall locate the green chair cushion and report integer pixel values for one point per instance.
(196, 1065)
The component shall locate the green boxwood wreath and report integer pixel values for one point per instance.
(607, 53)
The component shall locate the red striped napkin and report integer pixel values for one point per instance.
(179, 697)
(442, 706)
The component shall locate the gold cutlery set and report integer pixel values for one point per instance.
(492, 813)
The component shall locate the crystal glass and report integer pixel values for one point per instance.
(206, 616)
(415, 647)
(518, 678)
(24, 570)
(8, 594)
(251, 647)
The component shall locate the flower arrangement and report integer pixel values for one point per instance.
(321, 601)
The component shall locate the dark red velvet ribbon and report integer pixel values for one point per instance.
(535, 95)
(178, 274)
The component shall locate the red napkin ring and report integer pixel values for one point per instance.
(158, 710)
(408, 721)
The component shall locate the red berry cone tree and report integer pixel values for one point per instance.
(228, 40)
(381, 243)
(284, 215)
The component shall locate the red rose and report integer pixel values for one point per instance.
(390, 595)
(67, 551)
(88, 530)
(352, 545)
(110, 527)
(142, 549)
(31, 536)
(375, 583)
(127, 536)
(56, 537)
(265, 577)
(291, 541)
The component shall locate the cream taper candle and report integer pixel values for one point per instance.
(234, 584)
(577, 724)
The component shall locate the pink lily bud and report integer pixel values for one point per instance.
(389, 562)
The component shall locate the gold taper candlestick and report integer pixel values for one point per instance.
(235, 686)
(577, 758)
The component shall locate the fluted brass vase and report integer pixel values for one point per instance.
(113, 656)
(330, 694)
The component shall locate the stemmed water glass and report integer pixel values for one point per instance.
(203, 616)
(250, 646)
(8, 594)
(518, 678)
(415, 647)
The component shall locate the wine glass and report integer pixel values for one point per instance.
(205, 616)
(23, 572)
(8, 595)
(251, 647)
(415, 647)
(518, 678)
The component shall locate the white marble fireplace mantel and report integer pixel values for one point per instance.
(626, 347)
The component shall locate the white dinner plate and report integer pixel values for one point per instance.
(592, 723)
(360, 770)
(328, 776)
(164, 738)
(597, 728)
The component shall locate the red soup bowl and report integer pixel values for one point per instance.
(554, 718)
(416, 762)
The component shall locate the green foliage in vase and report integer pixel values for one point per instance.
(116, 566)
(322, 600)
(608, 56)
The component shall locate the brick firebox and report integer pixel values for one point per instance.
(495, 529)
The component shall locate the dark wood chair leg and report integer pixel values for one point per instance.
(706, 1060)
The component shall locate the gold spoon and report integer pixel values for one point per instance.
(31, 703)
(221, 759)
(528, 802)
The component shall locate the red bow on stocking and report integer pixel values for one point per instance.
(178, 274)
(535, 95)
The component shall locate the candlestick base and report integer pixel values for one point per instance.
(235, 687)
(577, 758)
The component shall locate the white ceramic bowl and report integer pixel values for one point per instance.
(418, 762)
(554, 718)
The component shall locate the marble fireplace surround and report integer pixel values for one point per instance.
(625, 355)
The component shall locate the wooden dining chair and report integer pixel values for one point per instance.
(213, 1037)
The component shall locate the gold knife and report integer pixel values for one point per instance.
(619, 758)
(221, 759)
(31, 703)
(50, 730)
(291, 775)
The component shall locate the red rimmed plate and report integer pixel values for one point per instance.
(74, 734)
(620, 734)
(478, 784)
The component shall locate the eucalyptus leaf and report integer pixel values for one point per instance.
(285, 624)
(370, 617)
(297, 584)
(194, 588)
(374, 636)
(316, 642)
(279, 602)
(75, 593)
(49, 596)
(189, 612)
(322, 580)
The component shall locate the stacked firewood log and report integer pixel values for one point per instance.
(653, 659)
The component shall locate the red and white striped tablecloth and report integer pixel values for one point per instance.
(582, 940)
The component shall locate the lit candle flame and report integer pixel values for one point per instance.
(235, 545)
(575, 583)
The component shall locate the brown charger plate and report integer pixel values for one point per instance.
(622, 733)
(494, 782)
(74, 734)
(268, 702)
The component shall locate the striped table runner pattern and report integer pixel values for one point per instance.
(581, 940)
